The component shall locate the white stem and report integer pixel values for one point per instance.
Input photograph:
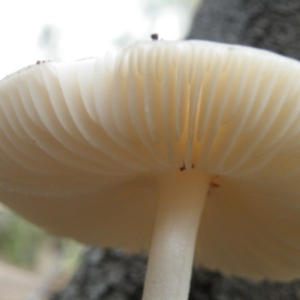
(172, 250)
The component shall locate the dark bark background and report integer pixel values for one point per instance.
(113, 275)
(268, 24)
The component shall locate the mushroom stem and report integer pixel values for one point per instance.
(182, 198)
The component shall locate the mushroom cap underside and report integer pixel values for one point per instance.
(83, 146)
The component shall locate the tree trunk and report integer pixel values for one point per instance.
(268, 24)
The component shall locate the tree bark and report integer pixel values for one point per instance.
(268, 24)
(113, 275)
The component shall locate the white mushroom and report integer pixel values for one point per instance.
(138, 148)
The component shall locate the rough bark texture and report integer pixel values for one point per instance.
(107, 275)
(266, 24)
(112, 275)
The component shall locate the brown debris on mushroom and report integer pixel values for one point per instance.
(114, 135)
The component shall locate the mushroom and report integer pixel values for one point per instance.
(188, 150)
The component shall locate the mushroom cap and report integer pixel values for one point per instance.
(83, 145)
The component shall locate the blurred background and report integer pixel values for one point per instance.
(65, 30)
(31, 262)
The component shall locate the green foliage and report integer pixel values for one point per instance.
(21, 244)
(19, 240)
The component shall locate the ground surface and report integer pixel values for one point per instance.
(15, 283)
